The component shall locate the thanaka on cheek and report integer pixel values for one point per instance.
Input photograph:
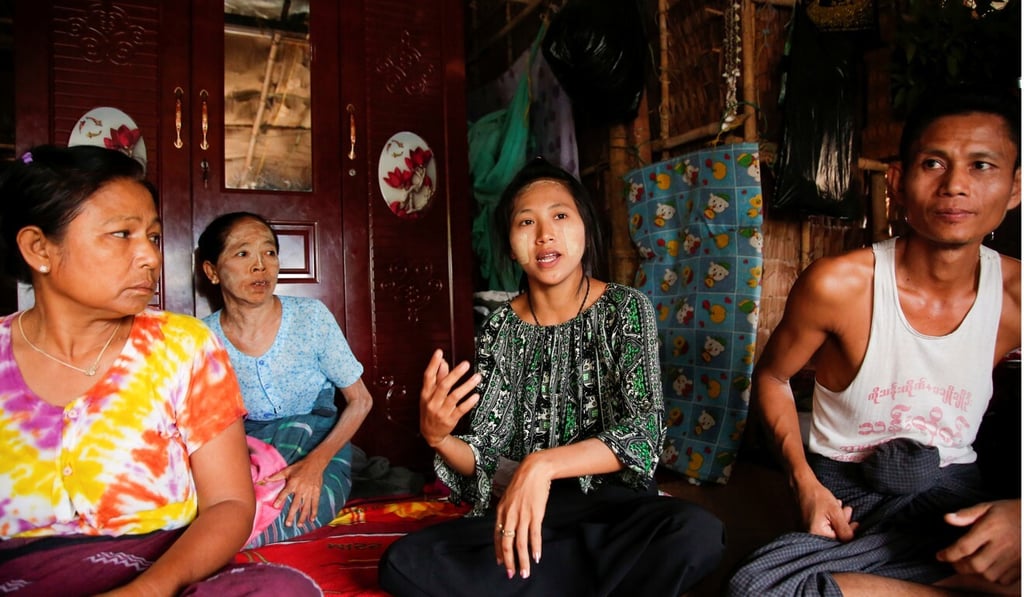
(574, 246)
(519, 241)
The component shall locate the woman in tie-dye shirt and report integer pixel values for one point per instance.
(122, 456)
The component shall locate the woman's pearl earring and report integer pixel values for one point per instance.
(44, 269)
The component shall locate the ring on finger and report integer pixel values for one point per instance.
(508, 533)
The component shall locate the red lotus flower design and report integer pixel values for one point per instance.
(399, 179)
(122, 139)
(418, 158)
(414, 181)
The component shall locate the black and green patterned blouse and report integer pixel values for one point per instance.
(596, 375)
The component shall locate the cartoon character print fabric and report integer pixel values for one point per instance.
(696, 221)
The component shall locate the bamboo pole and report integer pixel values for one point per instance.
(624, 258)
(880, 228)
(663, 105)
(641, 134)
(257, 122)
(805, 243)
(594, 168)
(748, 23)
(618, 213)
(702, 132)
(510, 24)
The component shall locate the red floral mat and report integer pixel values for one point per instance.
(342, 557)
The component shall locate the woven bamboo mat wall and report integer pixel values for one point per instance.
(687, 59)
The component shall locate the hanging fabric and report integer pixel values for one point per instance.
(499, 144)
(552, 126)
(696, 220)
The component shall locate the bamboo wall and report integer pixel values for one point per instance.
(684, 102)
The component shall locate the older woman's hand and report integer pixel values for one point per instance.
(303, 481)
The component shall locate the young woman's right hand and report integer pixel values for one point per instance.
(441, 407)
(520, 514)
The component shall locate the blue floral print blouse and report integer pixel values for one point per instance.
(309, 354)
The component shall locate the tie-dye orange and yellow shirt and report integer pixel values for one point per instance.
(115, 461)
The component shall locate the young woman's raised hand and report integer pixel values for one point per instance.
(441, 407)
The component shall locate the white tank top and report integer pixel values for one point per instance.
(933, 389)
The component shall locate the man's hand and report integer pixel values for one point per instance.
(991, 548)
(824, 514)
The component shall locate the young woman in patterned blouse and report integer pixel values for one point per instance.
(565, 428)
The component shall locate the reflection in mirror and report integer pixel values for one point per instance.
(267, 110)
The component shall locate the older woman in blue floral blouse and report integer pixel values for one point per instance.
(289, 355)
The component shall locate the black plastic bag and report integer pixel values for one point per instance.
(597, 52)
(816, 171)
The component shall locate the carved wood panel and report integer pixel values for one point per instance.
(399, 287)
(298, 254)
(97, 54)
(420, 275)
(316, 215)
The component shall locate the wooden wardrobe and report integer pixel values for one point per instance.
(399, 286)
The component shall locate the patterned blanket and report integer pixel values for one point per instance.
(342, 556)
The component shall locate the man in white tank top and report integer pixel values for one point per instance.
(903, 336)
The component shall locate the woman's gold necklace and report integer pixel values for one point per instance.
(586, 295)
(90, 371)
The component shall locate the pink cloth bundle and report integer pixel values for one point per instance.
(264, 461)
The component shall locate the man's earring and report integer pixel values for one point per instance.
(44, 269)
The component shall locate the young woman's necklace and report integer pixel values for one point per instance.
(90, 371)
(586, 295)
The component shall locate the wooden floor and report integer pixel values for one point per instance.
(756, 505)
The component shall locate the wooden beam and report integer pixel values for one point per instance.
(531, 6)
(872, 165)
(702, 132)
